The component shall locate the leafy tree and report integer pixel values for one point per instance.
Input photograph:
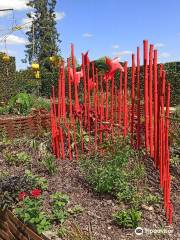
(43, 36)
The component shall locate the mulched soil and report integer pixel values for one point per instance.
(98, 209)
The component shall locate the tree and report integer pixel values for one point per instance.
(43, 36)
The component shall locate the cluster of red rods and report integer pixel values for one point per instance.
(102, 108)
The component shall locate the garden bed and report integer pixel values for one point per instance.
(96, 216)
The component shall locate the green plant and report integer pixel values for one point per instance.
(138, 172)
(106, 173)
(62, 232)
(34, 144)
(126, 194)
(49, 163)
(36, 181)
(127, 218)
(3, 110)
(59, 201)
(76, 233)
(16, 158)
(20, 103)
(10, 186)
(23, 157)
(41, 103)
(151, 199)
(77, 209)
(30, 211)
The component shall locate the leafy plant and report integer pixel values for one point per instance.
(138, 172)
(20, 103)
(36, 181)
(16, 158)
(9, 188)
(62, 232)
(126, 194)
(106, 173)
(49, 163)
(41, 103)
(59, 201)
(30, 211)
(77, 209)
(127, 218)
(23, 157)
(151, 199)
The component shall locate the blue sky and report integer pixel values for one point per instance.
(104, 27)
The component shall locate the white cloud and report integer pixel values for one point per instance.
(115, 46)
(27, 22)
(14, 40)
(87, 35)
(159, 45)
(60, 16)
(122, 53)
(164, 55)
(15, 4)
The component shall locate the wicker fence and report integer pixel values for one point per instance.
(12, 228)
(13, 127)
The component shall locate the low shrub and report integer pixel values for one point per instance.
(127, 218)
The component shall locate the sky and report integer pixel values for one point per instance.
(111, 28)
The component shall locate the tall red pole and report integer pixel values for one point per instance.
(59, 93)
(167, 149)
(107, 104)
(159, 111)
(138, 100)
(89, 109)
(74, 78)
(150, 101)
(112, 107)
(85, 90)
(163, 98)
(132, 97)
(95, 110)
(120, 103)
(155, 107)
(69, 90)
(125, 101)
(146, 110)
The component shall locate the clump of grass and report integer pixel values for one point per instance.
(49, 162)
(76, 233)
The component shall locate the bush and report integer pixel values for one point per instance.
(106, 174)
(30, 211)
(20, 103)
(23, 103)
(127, 218)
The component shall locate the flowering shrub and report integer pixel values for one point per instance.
(30, 211)
(35, 193)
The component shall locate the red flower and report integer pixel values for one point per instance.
(21, 196)
(36, 193)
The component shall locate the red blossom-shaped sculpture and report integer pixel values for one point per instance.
(21, 196)
(36, 193)
(113, 65)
